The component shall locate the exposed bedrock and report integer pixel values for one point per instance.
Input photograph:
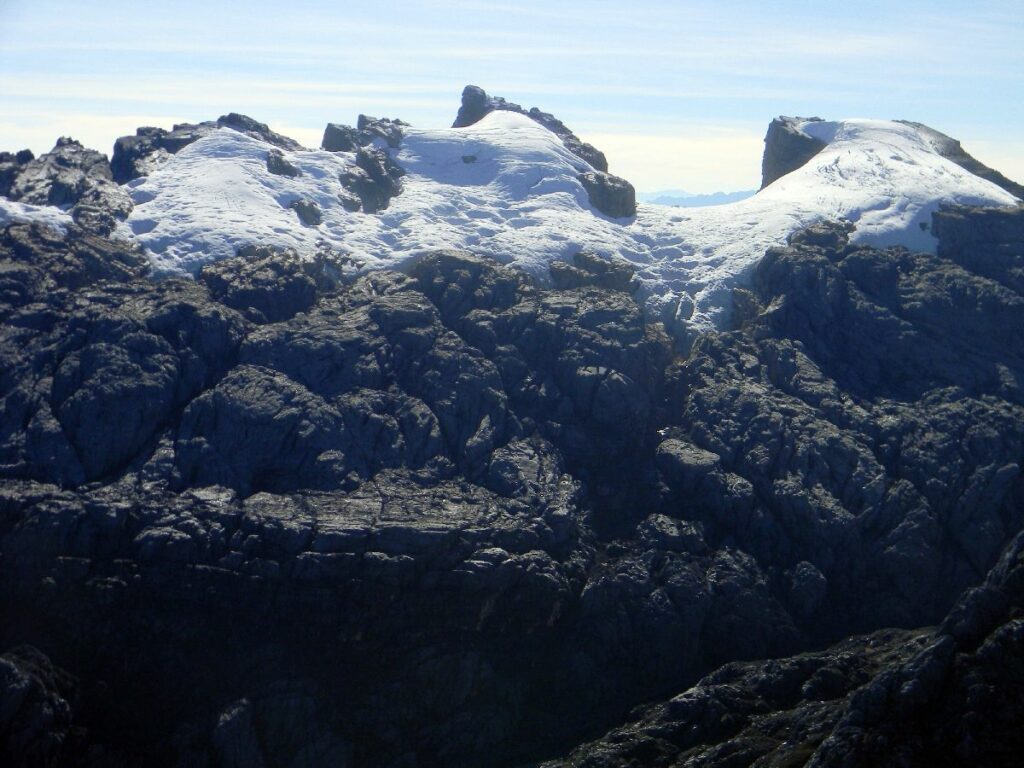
(69, 176)
(476, 104)
(946, 696)
(987, 241)
(786, 148)
(141, 154)
(611, 195)
(345, 138)
(11, 166)
(451, 517)
(372, 181)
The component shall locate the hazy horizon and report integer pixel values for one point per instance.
(678, 95)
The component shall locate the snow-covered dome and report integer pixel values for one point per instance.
(508, 188)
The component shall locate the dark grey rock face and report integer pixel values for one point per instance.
(267, 285)
(340, 138)
(11, 166)
(786, 149)
(282, 515)
(278, 165)
(139, 155)
(372, 181)
(814, 350)
(344, 138)
(92, 368)
(591, 269)
(245, 124)
(308, 211)
(611, 195)
(476, 104)
(381, 127)
(988, 242)
(69, 176)
(949, 696)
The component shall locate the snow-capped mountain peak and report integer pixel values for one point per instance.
(509, 188)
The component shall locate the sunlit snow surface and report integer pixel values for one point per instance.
(11, 212)
(518, 200)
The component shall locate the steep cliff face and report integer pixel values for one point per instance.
(787, 148)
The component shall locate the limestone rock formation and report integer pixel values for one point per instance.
(69, 176)
(344, 138)
(372, 181)
(786, 149)
(611, 195)
(139, 155)
(296, 512)
(476, 103)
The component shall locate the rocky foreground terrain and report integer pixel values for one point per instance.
(288, 513)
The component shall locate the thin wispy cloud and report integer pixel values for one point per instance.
(603, 67)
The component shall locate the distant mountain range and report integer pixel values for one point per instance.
(686, 199)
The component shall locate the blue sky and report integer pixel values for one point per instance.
(678, 94)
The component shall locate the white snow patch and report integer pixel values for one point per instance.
(12, 212)
(507, 188)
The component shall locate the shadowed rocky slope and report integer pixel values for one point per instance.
(449, 517)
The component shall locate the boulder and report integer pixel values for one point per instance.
(340, 138)
(611, 195)
(278, 165)
(308, 211)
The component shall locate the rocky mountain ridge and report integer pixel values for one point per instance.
(294, 512)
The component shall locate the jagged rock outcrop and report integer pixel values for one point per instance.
(267, 285)
(476, 104)
(786, 149)
(988, 242)
(11, 165)
(591, 269)
(372, 181)
(611, 195)
(69, 176)
(141, 154)
(345, 138)
(340, 138)
(455, 517)
(949, 696)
